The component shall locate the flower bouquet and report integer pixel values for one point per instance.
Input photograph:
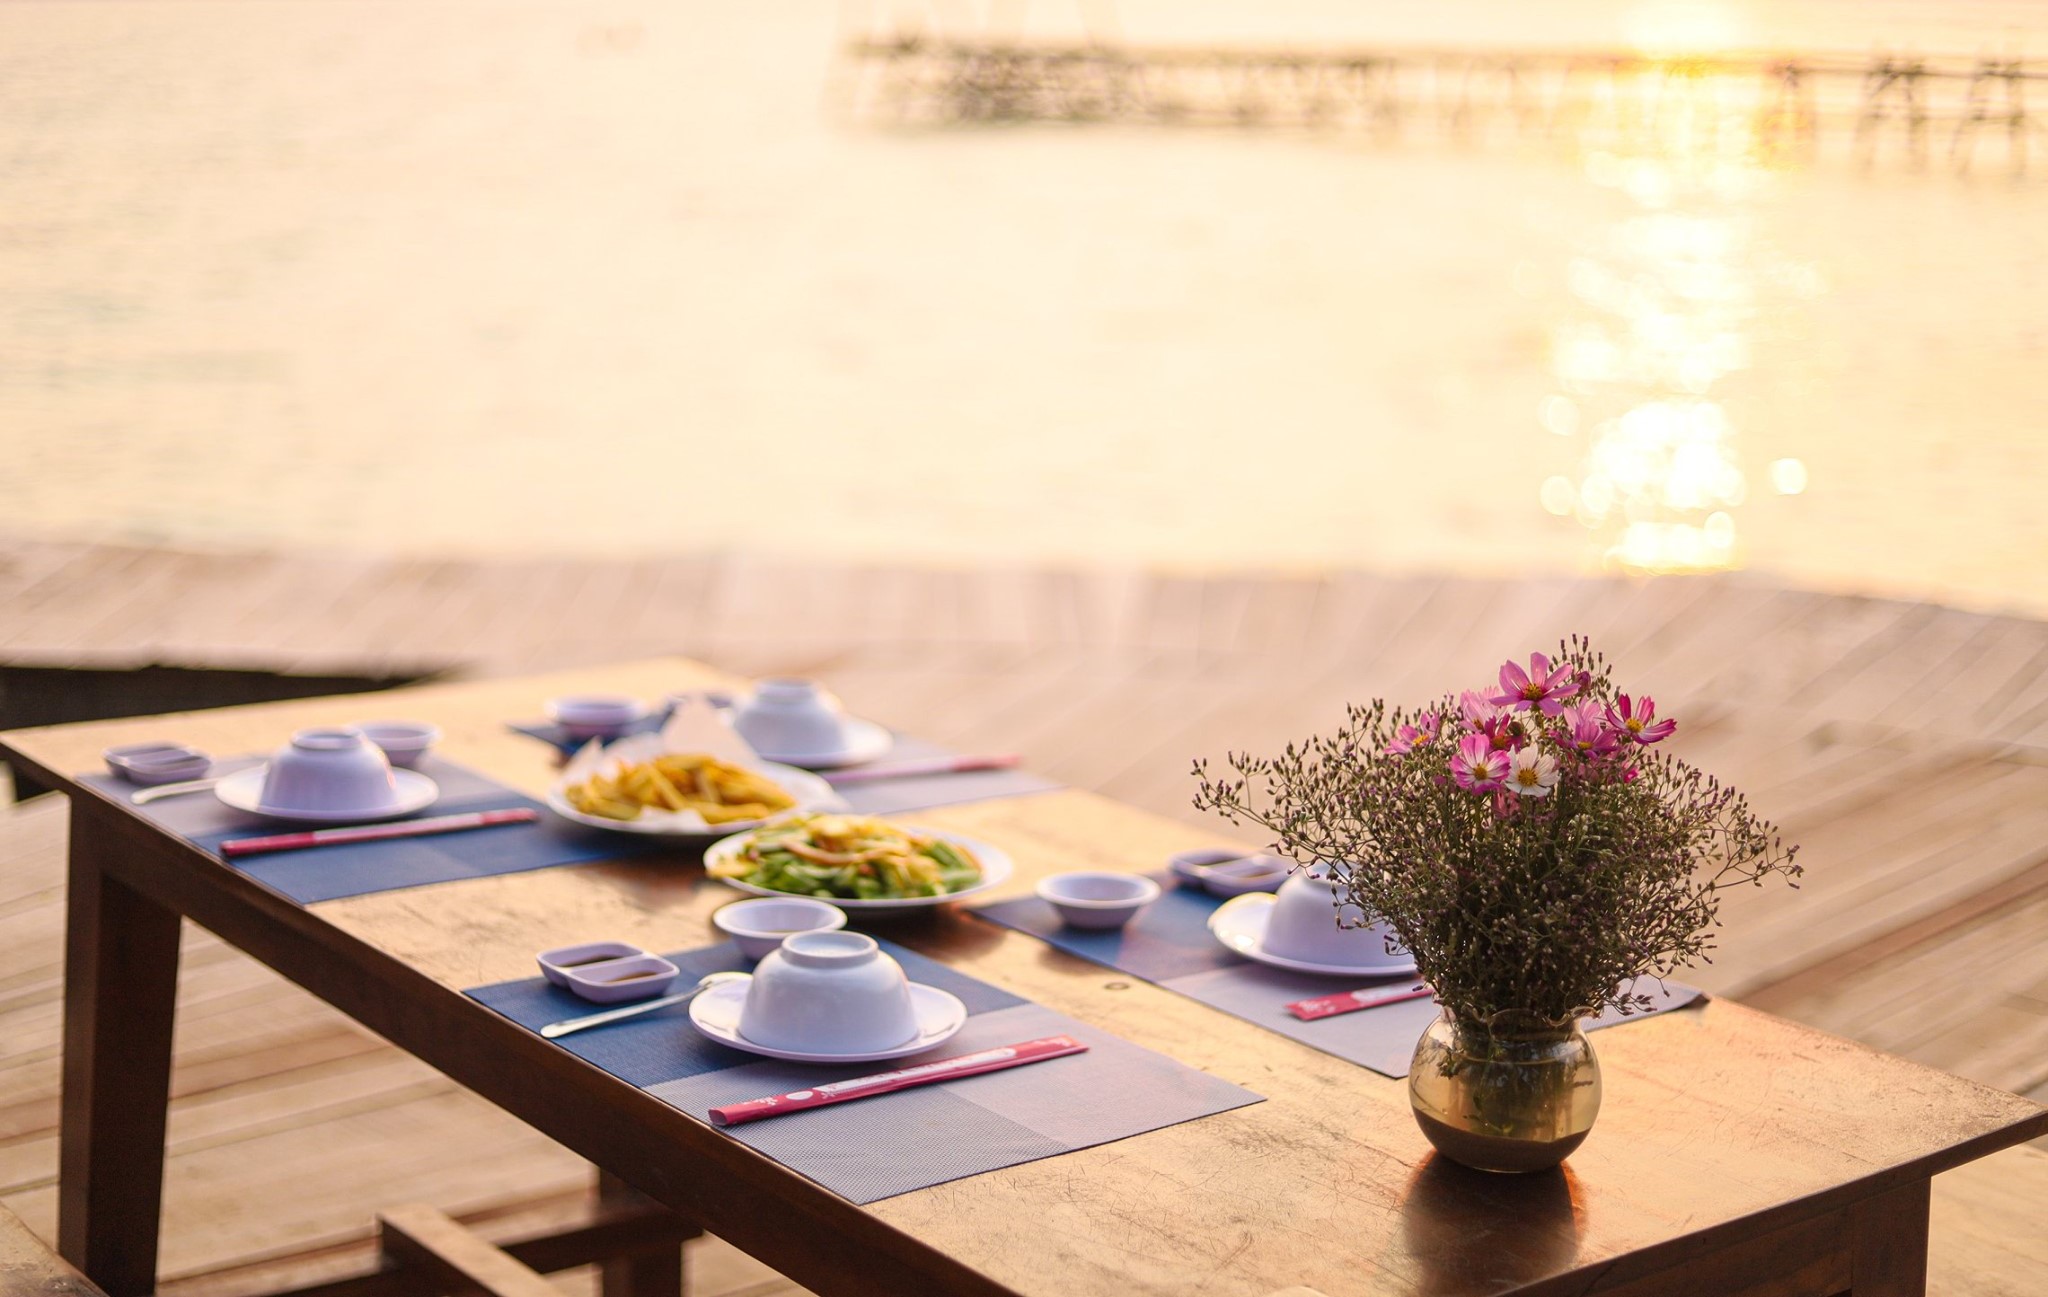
(1537, 848)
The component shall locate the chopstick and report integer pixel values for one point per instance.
(946, 1069)
(378, 832)
(928, 766)
(1327, 1006)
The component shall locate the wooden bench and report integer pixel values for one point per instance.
(424, 1252)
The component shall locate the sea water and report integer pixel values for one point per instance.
(621, 277)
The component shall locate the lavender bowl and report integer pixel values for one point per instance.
(1098, 900)
(758, 925)
(596, 716)
(331, 770)
(786, 716)
(404, 742)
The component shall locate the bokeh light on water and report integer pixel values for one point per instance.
(1665, 300)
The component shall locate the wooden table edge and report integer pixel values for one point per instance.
(1662, 1258)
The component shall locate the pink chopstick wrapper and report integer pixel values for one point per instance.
(378, 832)
(946, 1069)
(1327, 1006)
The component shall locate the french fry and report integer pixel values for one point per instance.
(610, 808)
(664, 791)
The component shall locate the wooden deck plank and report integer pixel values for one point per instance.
(592, 597)
(2004, 713)
(1987, 1239)
(244, 607)
(309, 609)
(1972, 995)
(1356, 603)
(671, 616)
(500, 602)
(47, 615)
(1110, 601)
(1776, 944)
(26, 564)
(132, 626)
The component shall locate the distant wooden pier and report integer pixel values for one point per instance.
(1774, 104)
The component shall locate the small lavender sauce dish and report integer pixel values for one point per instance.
(1193, 866)
(612, 980)
(1251, 874)
(157, 763)
(556, 965)
(1221, 871)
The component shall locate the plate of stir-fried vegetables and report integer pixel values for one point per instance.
(857, 862)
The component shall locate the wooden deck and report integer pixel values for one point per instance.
(1905, 745)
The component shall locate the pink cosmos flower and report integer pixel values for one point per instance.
(1408, 737)
(1477, 709)
(1506, 734)
(1496, 723)
(1638, 721)
(1532, 773)
(1589, 710)
(1539, 687)
(1477, 767)
(1586, 732)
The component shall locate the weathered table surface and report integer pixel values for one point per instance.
(1735, 1153)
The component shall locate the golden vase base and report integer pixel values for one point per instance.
(1495, 1152)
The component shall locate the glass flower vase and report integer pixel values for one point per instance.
(1505, 1097)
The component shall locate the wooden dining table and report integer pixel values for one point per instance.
(1736, 1152)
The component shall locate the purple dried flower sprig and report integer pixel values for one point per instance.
(1533, 845)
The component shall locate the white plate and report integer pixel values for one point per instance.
(995, 869)
(243, 790)
(1240, 924)
(811, 794)
(716, 1013)
(865, 741)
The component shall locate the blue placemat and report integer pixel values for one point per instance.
(894, 1143)
(1169, 944)
(329, 873)
(883, 797)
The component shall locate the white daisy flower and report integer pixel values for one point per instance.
(1532, 773)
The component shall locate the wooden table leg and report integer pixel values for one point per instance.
(653, 1274)
(1889, 1247)
(120, 994)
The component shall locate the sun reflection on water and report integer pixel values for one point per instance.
(1664, 302)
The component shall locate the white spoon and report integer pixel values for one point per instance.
(563, 1028)
(148, 795)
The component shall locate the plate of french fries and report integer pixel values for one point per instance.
(683, 794)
